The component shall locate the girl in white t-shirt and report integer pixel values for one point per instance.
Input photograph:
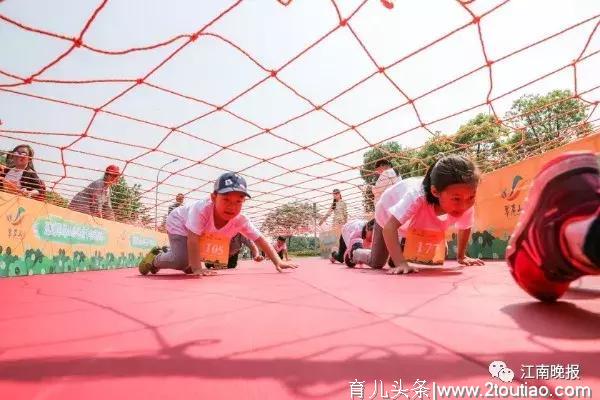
(201, 231)
(420, 210)
(356, 234)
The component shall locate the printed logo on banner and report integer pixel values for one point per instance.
(515, 190)
(142, 242)
(16, 217)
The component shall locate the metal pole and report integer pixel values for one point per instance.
(315, 221)
(156, 192)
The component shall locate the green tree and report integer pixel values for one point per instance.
(368, 199)
(545, 122)
(402, 160)
(434, 148)
(302, 243)
(483, 139)
(289, 219)
(540, 123)
(56, 199)
(126, 201)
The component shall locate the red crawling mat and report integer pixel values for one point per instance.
(322, 331)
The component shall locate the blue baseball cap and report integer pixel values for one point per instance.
(231, 182)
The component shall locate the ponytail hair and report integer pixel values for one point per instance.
(446, 171)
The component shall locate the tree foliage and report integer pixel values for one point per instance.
(547, 117)
(56, 199)
(289, 219)
(538, 123)
(126, 202)
(545, 122)
(399, 156)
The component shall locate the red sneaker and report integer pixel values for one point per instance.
(566, 189)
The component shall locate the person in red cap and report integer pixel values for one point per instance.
(95, 198)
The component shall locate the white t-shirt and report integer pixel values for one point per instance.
(412, 209)
(279, 247)
(393, 194)
(386, 179)
(14, 176)
(353, 230)
(198, 217)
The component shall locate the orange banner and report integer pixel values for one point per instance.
(40, 238)
(499, 201)
(500, 197)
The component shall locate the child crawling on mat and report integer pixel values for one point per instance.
(356, 234)
(413, 215)
(201, 232)
(281, 248)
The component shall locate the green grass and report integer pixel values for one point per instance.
(305, 253)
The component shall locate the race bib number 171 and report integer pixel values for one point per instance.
(425, 246)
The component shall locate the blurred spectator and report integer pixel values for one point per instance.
(339, 210)
(19, 175)
(95, 198)
(386, 178)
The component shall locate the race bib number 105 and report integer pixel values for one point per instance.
(214, 248)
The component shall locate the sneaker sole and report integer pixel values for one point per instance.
(558, 166)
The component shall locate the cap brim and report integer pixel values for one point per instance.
(229, 190)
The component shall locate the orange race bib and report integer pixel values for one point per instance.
(214, 248)
(425, 246)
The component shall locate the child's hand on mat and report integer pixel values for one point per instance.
(258, 258)
(470, 261)
(404, 268)
(204, 272)
(285, 265)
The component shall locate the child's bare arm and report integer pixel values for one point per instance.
(255, 253)
(265, 246)
(461, 254)
(325, 216)
(390, 236)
